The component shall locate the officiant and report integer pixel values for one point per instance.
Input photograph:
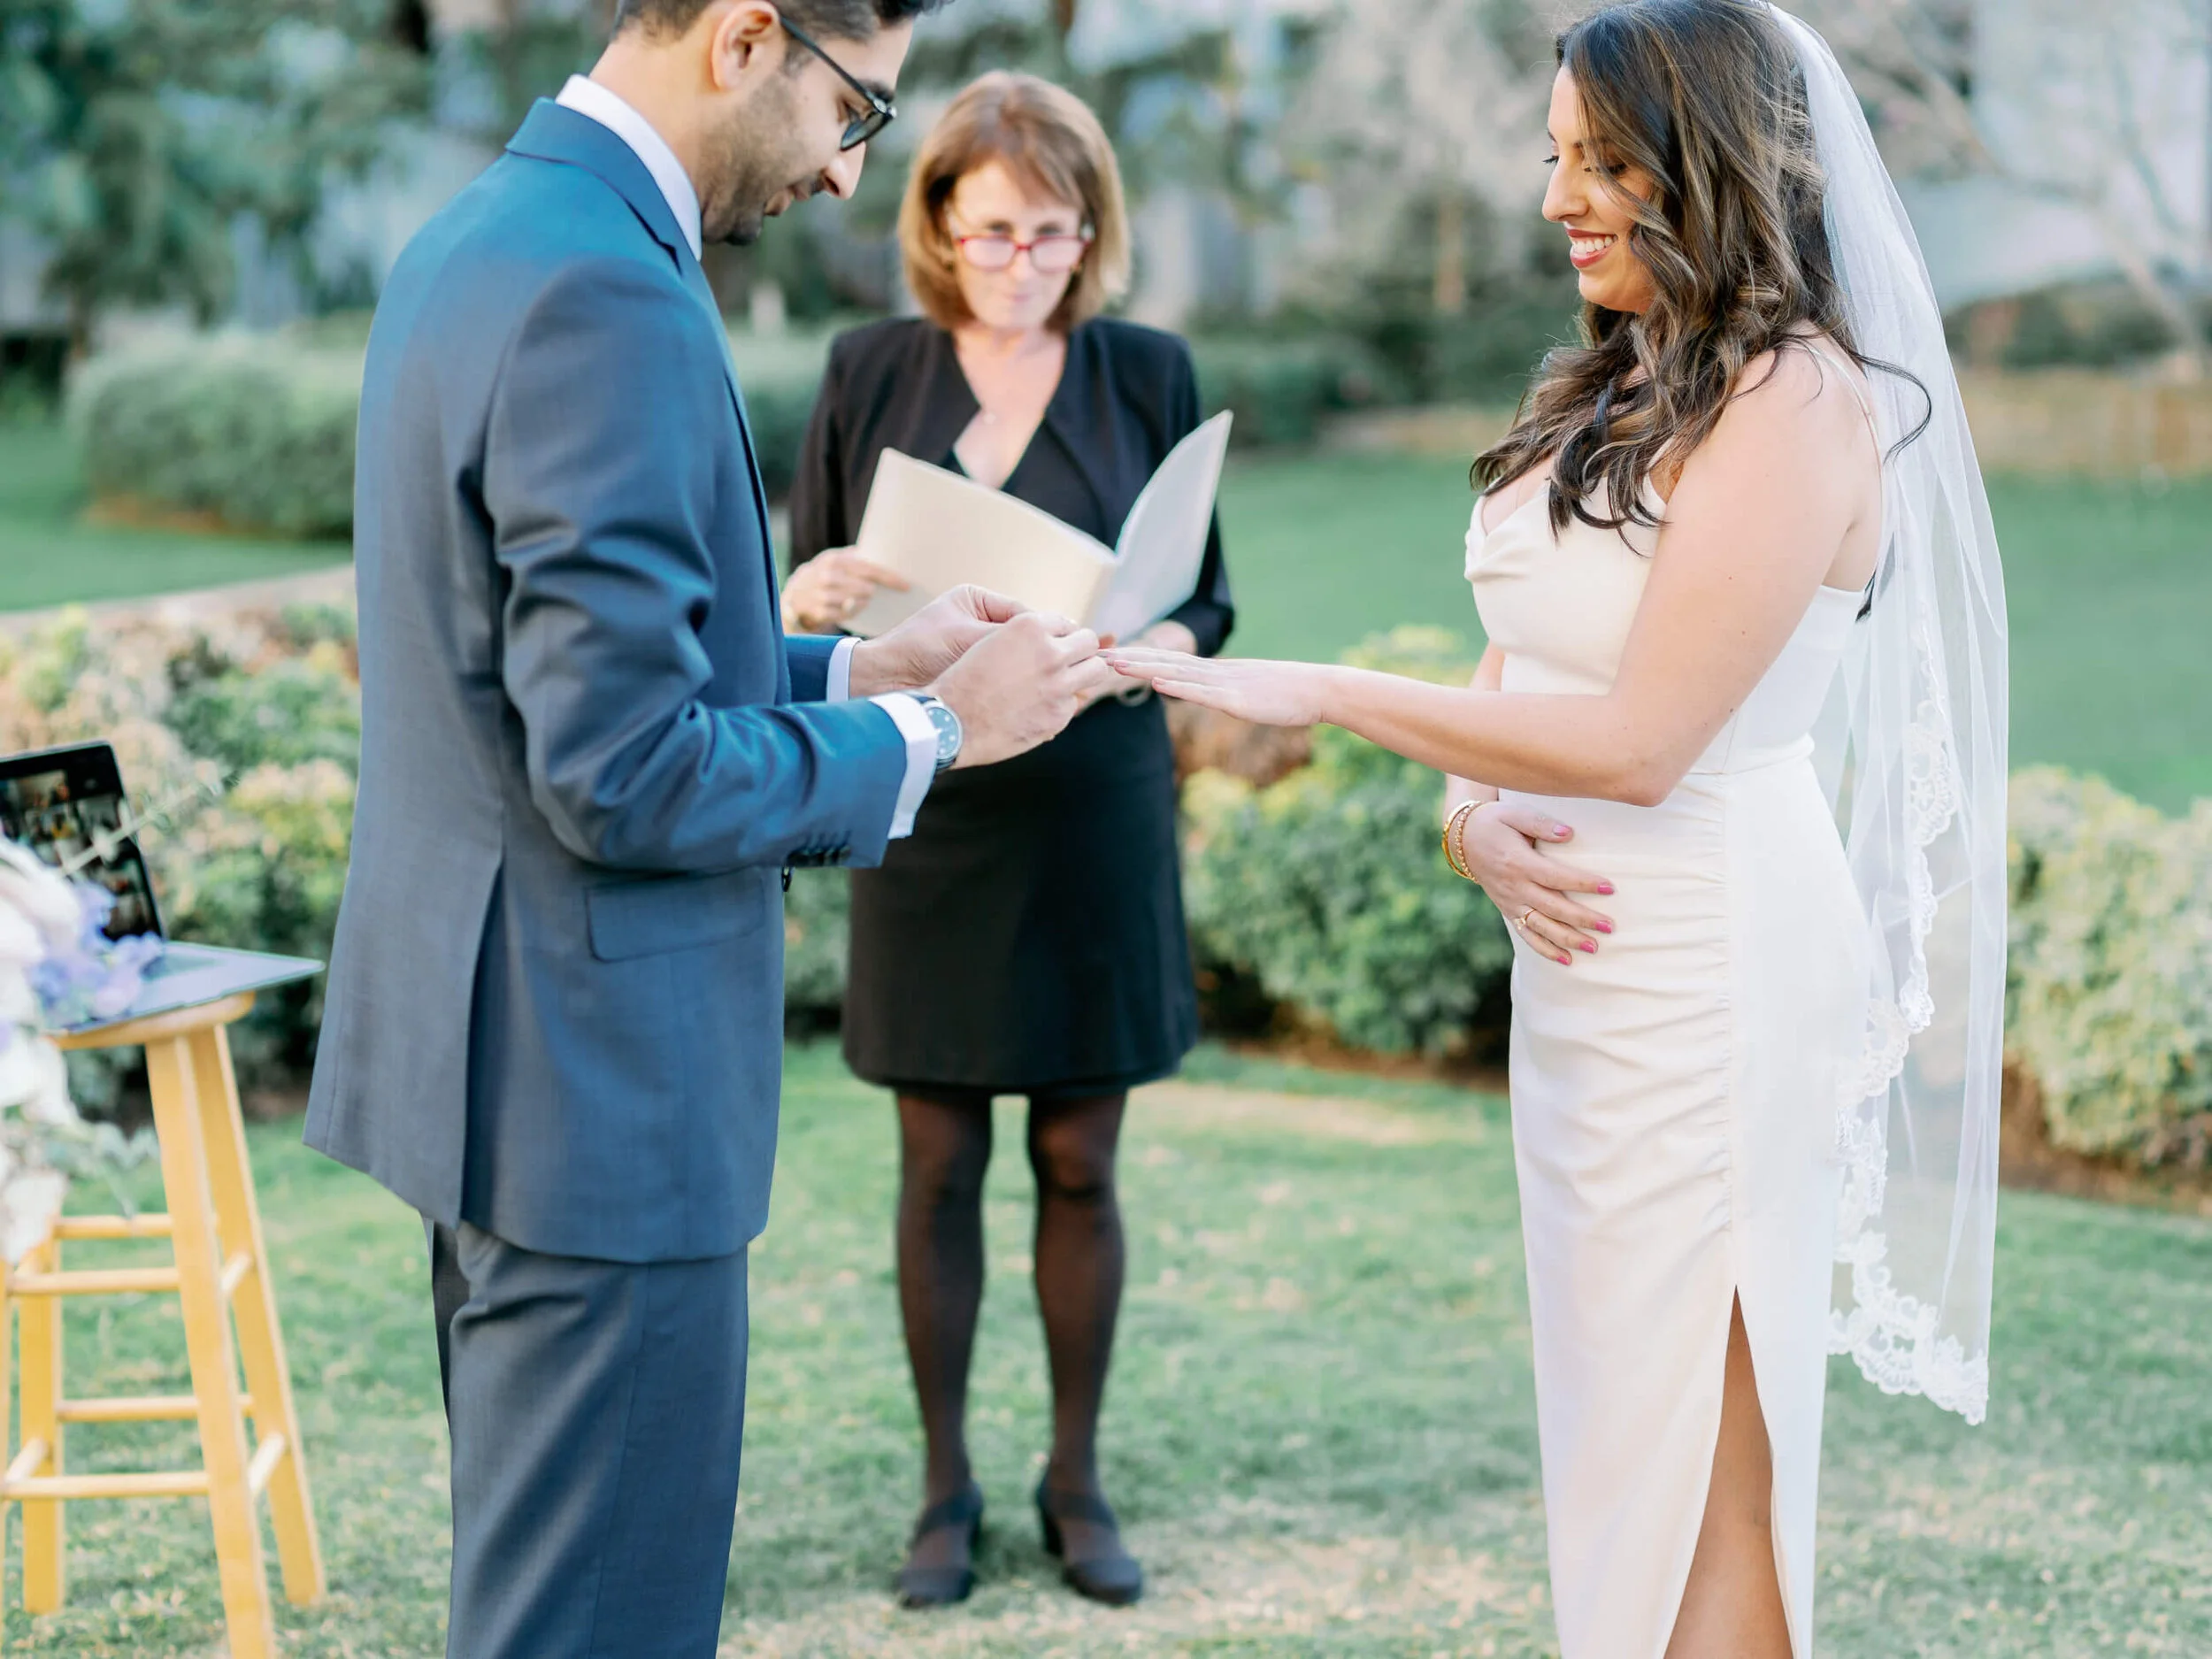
(1029, 940)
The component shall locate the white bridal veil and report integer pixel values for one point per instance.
(1913, 747)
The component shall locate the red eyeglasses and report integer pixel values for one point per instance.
(1055, 255)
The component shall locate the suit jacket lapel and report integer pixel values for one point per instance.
(945, 405)
(551, 132)
(1080, 418)
(702, 291)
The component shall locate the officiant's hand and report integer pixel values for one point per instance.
(1021, 684)
(919, 649)
(829, 589)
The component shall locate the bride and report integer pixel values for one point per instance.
(1736, 568)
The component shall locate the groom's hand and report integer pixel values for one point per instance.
(1020, 685)
(920, 651)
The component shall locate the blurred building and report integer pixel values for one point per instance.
(2095, 141)
(1202, 144)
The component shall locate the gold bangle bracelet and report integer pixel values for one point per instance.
(1454, 828)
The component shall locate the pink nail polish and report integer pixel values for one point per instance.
(1591, 948)
(1605, 927)
(1606, 888)
(1566, 961)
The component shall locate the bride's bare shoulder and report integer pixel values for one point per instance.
(1794, 417)
(1809, 377)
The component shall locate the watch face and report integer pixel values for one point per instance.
(948, 734)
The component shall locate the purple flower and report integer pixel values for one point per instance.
(93, 977)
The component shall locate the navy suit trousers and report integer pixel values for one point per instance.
(596, 1411)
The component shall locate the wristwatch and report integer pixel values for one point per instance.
(949, 735)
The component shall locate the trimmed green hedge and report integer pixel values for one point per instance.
(816, 915)
(248, 732)
(2111, 968)
(1282, 389)
(1327, 890)
(256, 434)
(243, 736)
(780, 377)
(1326, 887)
(1324, 890)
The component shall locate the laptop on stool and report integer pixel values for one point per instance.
(67, 806)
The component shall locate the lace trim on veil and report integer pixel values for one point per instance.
(1922, 736)
(1890, 1334)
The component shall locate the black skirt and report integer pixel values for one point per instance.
(1029, 938)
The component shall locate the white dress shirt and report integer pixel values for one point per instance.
(587, 96)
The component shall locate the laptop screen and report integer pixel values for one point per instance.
(60, 806)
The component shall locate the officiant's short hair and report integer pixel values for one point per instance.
(1047, 138)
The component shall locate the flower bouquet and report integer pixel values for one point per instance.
(58, 969)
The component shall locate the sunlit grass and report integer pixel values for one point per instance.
(1321, 1430)
(51, 554)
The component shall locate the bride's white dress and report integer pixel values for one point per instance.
(1674, 1116)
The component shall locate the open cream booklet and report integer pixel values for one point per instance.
(939, 529)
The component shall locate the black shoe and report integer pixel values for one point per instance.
(942, 1586)
(1113, 1577)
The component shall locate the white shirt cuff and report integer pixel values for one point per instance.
(840, 689)
(920, 733)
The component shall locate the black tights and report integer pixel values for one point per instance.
(946, 1147)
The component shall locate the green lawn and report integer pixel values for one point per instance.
(2111, 590)
(49, 556)
(1321, 1432)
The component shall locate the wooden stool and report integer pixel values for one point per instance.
(214, 1226)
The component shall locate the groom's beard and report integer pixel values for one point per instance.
(753, 162)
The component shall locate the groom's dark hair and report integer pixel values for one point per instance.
(825, 19)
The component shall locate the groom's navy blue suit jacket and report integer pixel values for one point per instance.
(555, 1008)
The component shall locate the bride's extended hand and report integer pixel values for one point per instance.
(1266, 694)
(1498, 842)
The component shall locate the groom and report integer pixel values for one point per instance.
(555, 1010)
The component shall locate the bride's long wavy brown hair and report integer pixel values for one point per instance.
(1705, 98)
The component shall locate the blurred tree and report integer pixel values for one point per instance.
(1427, 118)
(412, 26)
(2102, 109)
(1171, 82)
(526, 49)
(135, 135)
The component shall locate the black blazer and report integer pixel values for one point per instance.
(1127, 396)
(1029, 937)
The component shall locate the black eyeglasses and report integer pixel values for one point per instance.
(881, 111)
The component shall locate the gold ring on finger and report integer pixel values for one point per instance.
(1527, 915)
